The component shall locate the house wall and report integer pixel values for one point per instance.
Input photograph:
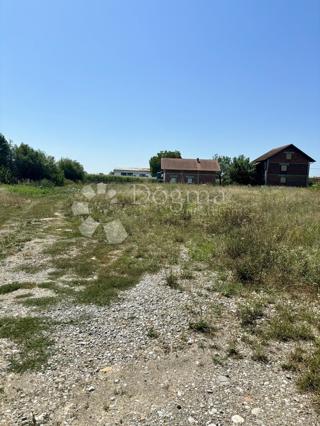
(182, 176)
(297, 169)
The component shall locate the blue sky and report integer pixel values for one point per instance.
(111, 82)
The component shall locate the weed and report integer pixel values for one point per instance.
(250, 313)
(216, 359)
(172, 280)
(233, 351)
(201, 326)
(285, 326)
(310, 378)
(229, 289)
(30, 335)
(259, 354)
(295, 360)
(152, 333)
(186, 274)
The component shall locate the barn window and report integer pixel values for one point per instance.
(283, 179)
(289, 155)
(189, 179)
(173, 179)
(284, 167)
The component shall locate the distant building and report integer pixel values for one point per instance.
(182, 170)
(286, 165)
(133, 172)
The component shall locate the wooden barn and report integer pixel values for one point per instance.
(286, 165)
(182, 170)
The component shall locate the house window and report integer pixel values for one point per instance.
(173, 179)
(283, 180)
(284, 167)
(289, 155)
(189, 179)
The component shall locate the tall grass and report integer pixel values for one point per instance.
(270, 236)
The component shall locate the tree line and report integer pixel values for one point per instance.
(23, 163)
(19, 163)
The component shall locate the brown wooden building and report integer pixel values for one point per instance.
(181, 170)
(286, 165)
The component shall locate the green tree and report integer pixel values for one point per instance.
(35, 165)
(6, 164)
(71, 169)
(155, 161)
(242, 170)
(225, 163)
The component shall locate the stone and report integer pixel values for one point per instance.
(256, 411)
(237, 420)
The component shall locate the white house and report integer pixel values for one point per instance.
(133, 172)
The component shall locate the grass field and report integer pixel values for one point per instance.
(263, 244)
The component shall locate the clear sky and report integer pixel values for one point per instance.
(111, 82)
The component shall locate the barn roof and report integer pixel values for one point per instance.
(275, 151)
(190, 164)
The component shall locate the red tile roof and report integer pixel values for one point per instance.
(190, 164)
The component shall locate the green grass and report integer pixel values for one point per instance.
(31, 190)
(202, 326)
(30, 334)
(40, 302)
(103, 290)
(10, 288)
(229, 289)
(23, 296)
(285, 326)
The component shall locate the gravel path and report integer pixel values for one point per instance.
(137, 362)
